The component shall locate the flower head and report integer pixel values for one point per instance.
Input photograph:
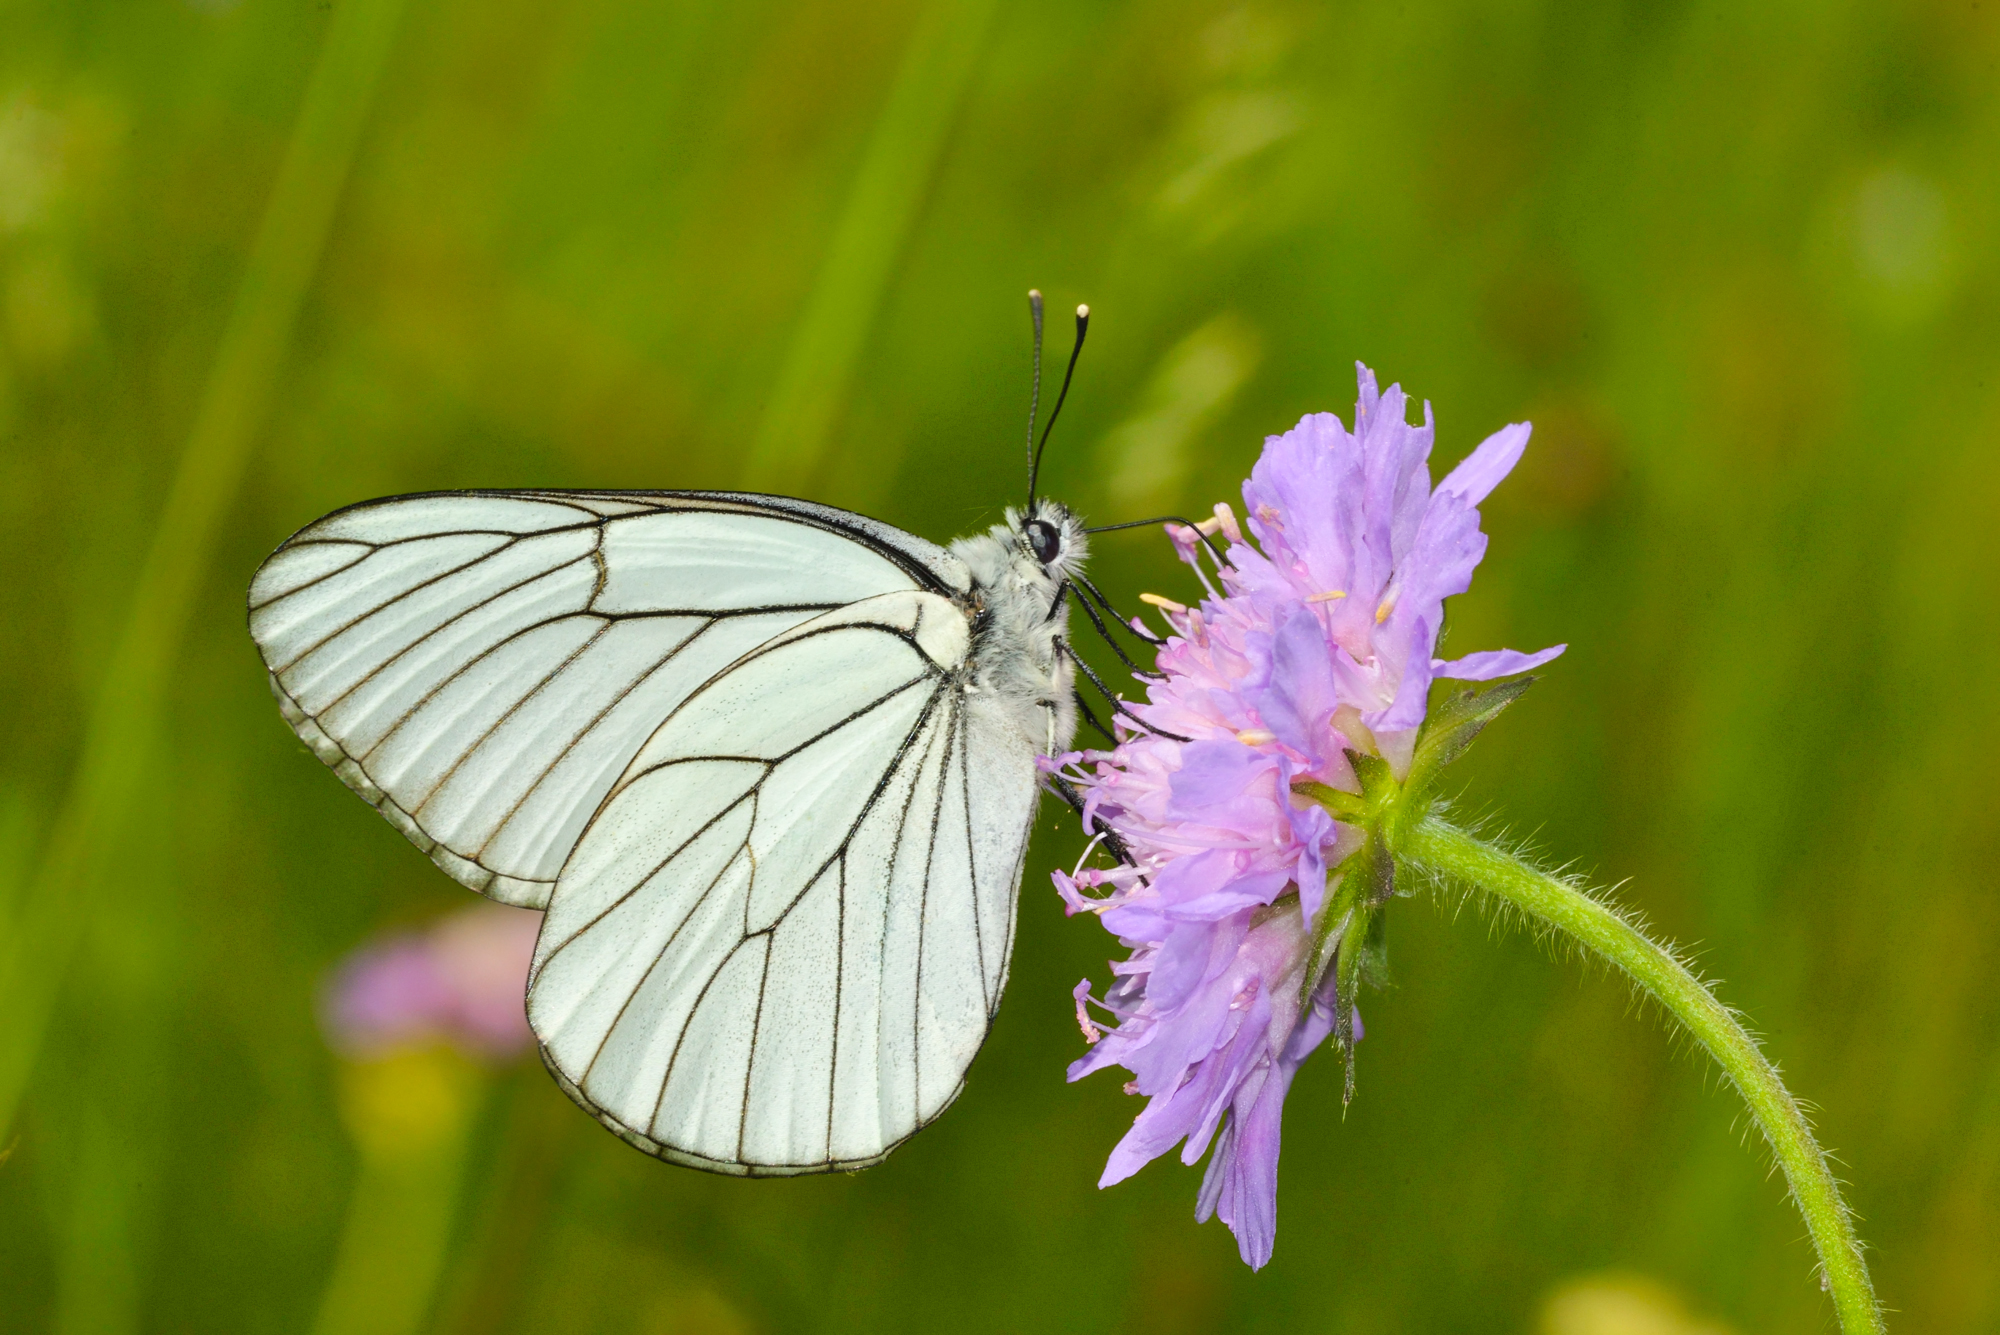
(460, 982)
(1317, 649)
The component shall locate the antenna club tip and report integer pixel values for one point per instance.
(1034, 294)
(1083, 312)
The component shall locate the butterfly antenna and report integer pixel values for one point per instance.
(1035, 393)
(1035, 466)
(1220, 557)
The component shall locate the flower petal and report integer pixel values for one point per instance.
(1493, 663)
(1482, 470)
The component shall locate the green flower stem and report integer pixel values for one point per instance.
(1441, 848)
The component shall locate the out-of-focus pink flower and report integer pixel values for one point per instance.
(1319, 641)
(462, 982)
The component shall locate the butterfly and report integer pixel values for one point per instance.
(768, 766)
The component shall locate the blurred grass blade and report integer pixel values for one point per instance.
(409, 1115)
(1147, 458)
(901, 158)
(491, 1269)
(16, 842)
(99, 1289)
(125, 716)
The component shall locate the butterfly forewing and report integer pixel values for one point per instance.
(482, 667)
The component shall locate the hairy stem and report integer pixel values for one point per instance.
(1444, 849)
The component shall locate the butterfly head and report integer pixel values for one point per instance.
(1050, 536)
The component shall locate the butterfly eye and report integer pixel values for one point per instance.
(1042, 539)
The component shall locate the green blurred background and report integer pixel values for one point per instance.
(1736, 262)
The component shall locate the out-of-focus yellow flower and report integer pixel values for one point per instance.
(411, 1101)
(693, 1311)
(1620, 1304)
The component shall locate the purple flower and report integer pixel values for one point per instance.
(1319, 641)
(460, 982)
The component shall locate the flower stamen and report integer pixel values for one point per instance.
(1225, 519)
(1091, 1033)
(1327, 597)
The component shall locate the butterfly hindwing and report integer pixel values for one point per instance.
(780, 943)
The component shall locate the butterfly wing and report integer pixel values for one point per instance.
(482, 666)
(782, 939)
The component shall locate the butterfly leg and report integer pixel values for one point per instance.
(1084, 709)
(1104, 631)
(1066, 790)
(1049, 709)
(1117, 705)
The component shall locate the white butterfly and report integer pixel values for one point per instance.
(769, 766)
